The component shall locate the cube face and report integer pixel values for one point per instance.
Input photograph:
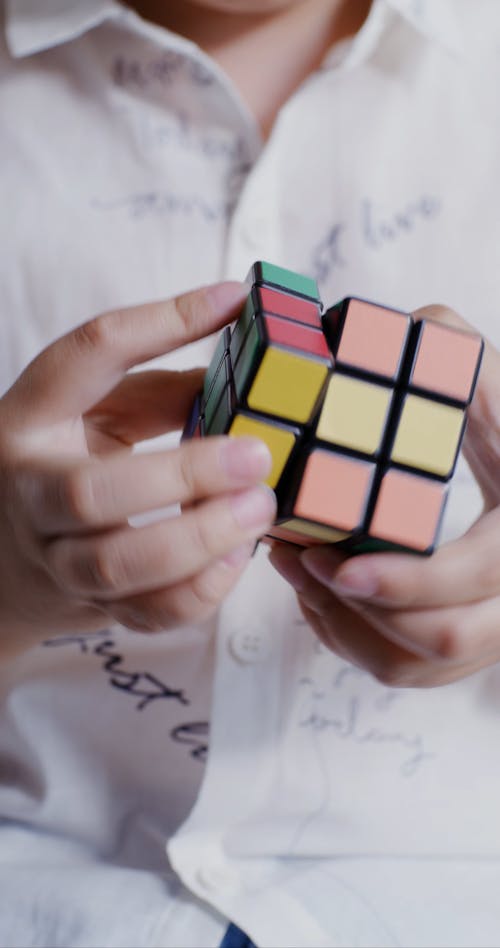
(363, 411)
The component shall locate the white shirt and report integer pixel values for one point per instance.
(332, 810)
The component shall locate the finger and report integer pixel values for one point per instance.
(316, 602)
(482, 438)
(194, 600)
(286, 560)
(78, 370)
(445, 315)
(99, 494)
(131, 560)
(466, 570)
(326, 634)
(370, 639)
(459, 636)
(329, 616)
(365, 640)
(144, 405)
(351, 636)
(367, 649)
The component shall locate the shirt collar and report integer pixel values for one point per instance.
(34, 25)
(435, 19)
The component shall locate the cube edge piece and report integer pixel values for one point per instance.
(263, 273)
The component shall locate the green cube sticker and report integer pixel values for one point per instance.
(287, 279)
(248, 357)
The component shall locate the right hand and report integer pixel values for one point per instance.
(69, 558)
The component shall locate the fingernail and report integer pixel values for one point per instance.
(245, 459)
(236, 558)
(255, 508)
(350, 580)
(226, 297)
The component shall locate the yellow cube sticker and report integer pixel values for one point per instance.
(428, 435)
(287, 385)
(354, 414)
(279, 441)
(316, 530)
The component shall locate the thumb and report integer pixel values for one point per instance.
(482, 439)
(79, 369)
(144, 405)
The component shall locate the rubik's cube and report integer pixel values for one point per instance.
(362, 408)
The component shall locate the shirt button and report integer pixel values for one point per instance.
(250, 645)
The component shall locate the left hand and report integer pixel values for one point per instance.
(412, 621)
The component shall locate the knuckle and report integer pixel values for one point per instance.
(188, 310)
(194, 601)
(180, 609)
(169, 557)
(79, 500)
(206, 592)
(87, 496)
(83, 495)
(187, 471)
(96, 334)
(18, 481)
(143, 619)
(318, 600)
(388, 588)
(449, 642)
(438, 312)
(442, 312)
(429, 679)
(202, 534)
(4, 441)
(489, 573)
(395, 674)
(104, 569)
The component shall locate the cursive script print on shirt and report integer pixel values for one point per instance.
(142, 685)
(375, 226)
(360, 719)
